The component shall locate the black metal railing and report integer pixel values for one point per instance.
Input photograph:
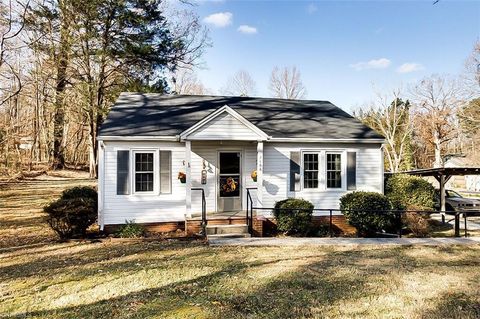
(204, 210)
(330, 213)
(250, 210)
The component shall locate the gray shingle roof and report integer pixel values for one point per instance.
(139, 114)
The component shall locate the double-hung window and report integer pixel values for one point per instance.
(144, 174)
(310, 170)
(334, 170)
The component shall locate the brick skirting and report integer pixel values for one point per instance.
(261, 226)
(164, 227)
(339, 225)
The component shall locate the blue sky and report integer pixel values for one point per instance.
(345, 50)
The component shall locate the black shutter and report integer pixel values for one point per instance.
(165, 172)
(351, 170)
(123, 185)
(295, 171)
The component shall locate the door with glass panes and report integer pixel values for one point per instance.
(229, 192)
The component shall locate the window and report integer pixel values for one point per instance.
(144, 172)
(310, 170)
(334, 170)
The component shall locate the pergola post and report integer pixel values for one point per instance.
(441, 180)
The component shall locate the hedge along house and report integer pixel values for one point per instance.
(156, 151)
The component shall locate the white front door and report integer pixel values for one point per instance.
(229, 181)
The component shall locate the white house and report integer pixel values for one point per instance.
(298, 148)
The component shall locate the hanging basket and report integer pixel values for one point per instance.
(182, 177)
(254, 175)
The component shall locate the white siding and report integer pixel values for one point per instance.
(143, 208)
(224, 127)
(172, 207)
(277, 166)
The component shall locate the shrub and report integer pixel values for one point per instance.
(80, 192)
(410, 192)
(73, 212)
(359, 207)
(130, 230)
(417, 223)
(319, 231)
(293, 215)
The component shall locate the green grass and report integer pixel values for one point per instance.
(168, 279)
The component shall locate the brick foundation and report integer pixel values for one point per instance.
(339, 225)
(165, 227)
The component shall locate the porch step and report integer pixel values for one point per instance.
(236, 229)
(229, 236)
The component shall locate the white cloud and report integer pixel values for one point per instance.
(381, 63)
(312, 8)
(247, 29)
(220, 19)
(410, 67)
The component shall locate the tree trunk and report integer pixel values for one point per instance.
(438, 151)
(58, 161)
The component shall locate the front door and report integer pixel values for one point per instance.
(229, 182)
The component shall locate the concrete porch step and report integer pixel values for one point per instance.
(236, 229)
(227, 236)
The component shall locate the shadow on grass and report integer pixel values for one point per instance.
(454, 305)
(307, 291)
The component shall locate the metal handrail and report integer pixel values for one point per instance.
(250, 210)
(204, 210)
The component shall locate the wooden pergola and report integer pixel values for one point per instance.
(443, 175)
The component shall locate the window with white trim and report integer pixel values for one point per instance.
(334, 170)
(144, 174)
(310, 170)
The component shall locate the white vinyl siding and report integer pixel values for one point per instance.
(276, 173)
(224, 127)
(159, 207)
(147, 207)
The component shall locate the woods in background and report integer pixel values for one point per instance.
(437, 119)
(63, 63)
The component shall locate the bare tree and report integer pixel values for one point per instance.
(286, 83)
(240, 84)
(436, 101)
(185, 81)
(390, 116)
(12, 22)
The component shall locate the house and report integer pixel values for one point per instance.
(297, 148)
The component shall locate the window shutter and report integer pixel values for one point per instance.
(351, 170)
(165, 172)
(295, 171)
(123, 185)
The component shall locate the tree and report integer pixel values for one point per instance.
(240, 84)
(104, 47)
(286, 83)
(392, 120)
(436, 100)
(185, 81)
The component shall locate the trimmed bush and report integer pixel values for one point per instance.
(410, 192)
(130, 230)
(359, 210)
(73, 212)
(293, 215)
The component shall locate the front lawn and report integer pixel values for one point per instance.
(134, 279)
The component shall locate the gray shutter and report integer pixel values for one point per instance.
(351, 170)
(165, 172)
(123, 185)
(295, 171)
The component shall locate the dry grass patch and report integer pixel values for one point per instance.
(163, 279)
